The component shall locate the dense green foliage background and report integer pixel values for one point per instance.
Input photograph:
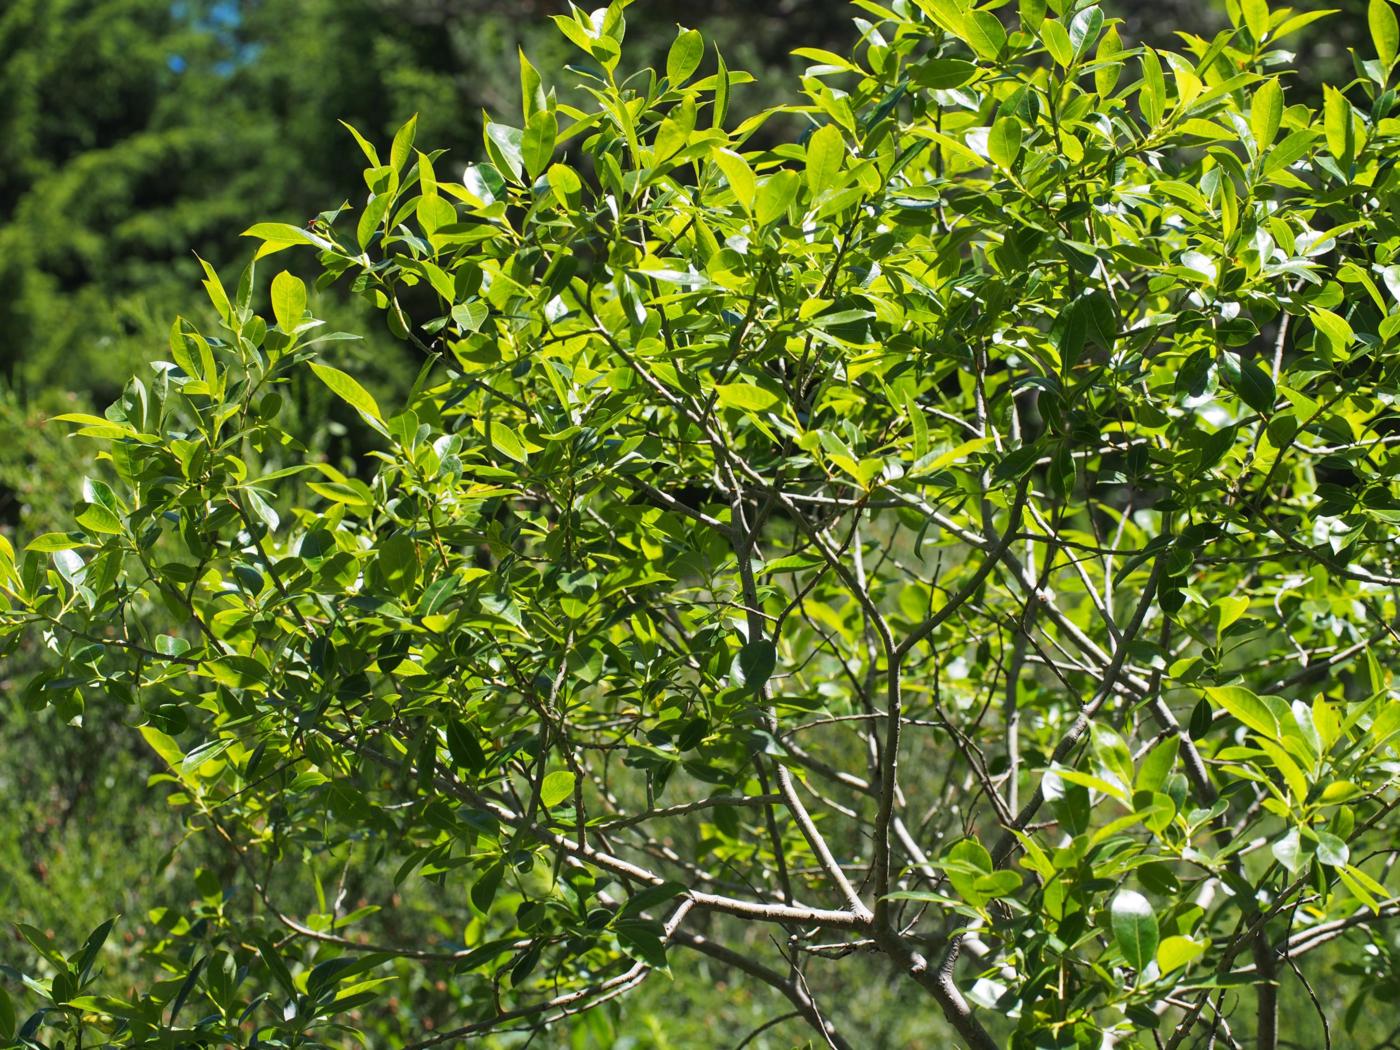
(134, 133)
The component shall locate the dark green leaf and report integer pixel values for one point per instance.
(1134, 928)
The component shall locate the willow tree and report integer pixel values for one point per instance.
(958, 543)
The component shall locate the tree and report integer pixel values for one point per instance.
(958, 544)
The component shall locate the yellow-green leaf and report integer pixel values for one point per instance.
(1333, 326)
(774, 196)
(1337, 124)
(684, 57)
(506, 441)
(402, 146)
(1228, 610)
(1175, 952)
(985, 33)
(1109, 66)
(1056, 40)
(288, 300)
(1247, 708)
(164, 746)
(825, 151)
(97, 518)
(348, 390)
(745, 396)
(1004, 142)
(1266, 113)
(740, 176)
(537, 142)
(1153, 97)
(1385, 33)
(556, 787)
(1256, 17)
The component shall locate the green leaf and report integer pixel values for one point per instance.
(1333, 327)
(1178, 951)
(826, 149)
(1004, 142)
(348, 390)
(745, 396)
(1363, 887)
(506, 441)
(1301, 21)
(1256, 17)
(236, 672)
(1288, 851)
(1134, 928)
(1108, 66)
(55, 541)
(396, 564)
(371, 154)
(1228, 610)
(164, 746)
(1266, 113)
(651, 897)
(71, 566)
(721, 103)
(1337, 123)
(483, 891)
(537, 142)
(1113, 754)
(997, 884)
(556, 787)
(1056, 39)
(684, 56)
(775, 195)
(469, 316)
(1246, 708)
(371, 218)
(402, 147)
(96, 518)
(462, 745)
(279, 235)
(214, 288)
(1254, 386)
(532, 96)
(276, 966)
(754, 664)
(43, 943)
(967, 863)
(573, 30)
(1288, 152)
(7, 1017)
(566, 184)
(95, 940)
(288, 300)
(739, 175)
(640, 941)
(1385, 32)
(1331, 850)
(1153, 98)
(504, 145)
(940, 74)
(936, 461)
(972, 853)
(1157, 765)
(1084, 29)
(985, 33)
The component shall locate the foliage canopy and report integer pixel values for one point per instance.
(959, 542)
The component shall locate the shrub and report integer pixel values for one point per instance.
(958, 543)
